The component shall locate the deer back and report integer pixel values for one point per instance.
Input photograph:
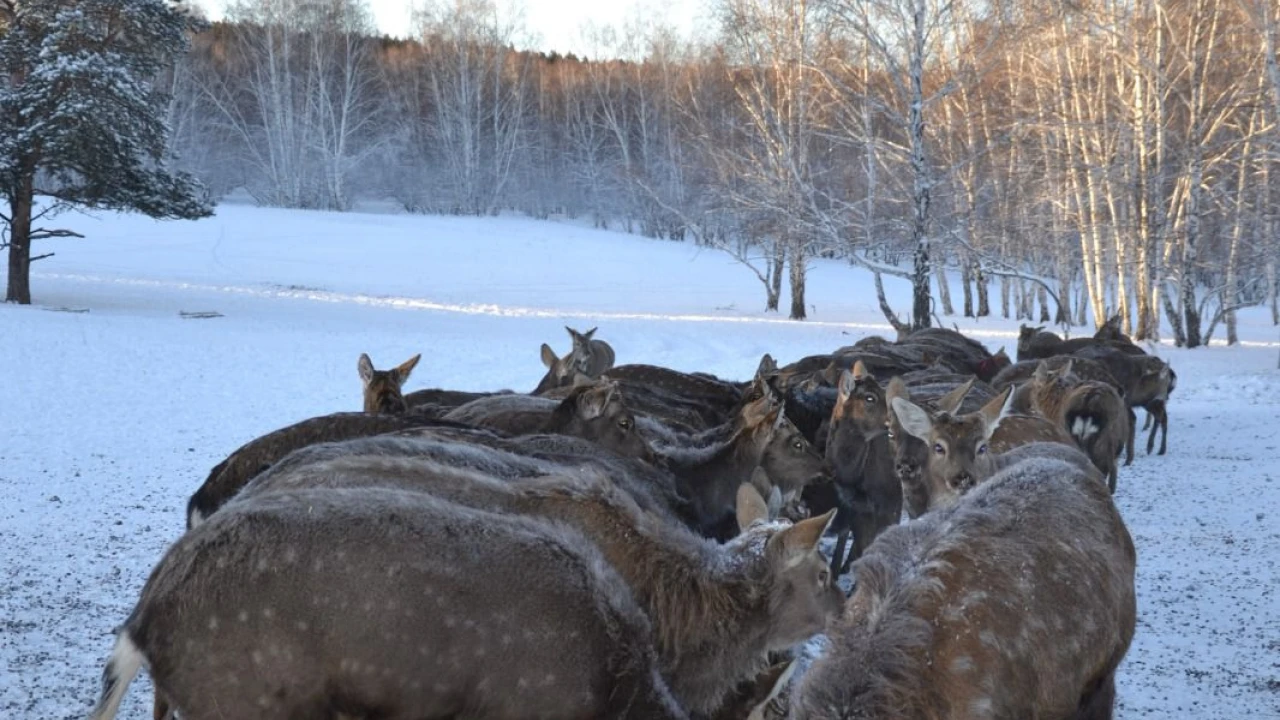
(259, 454)
(342, 611)
(929, 616)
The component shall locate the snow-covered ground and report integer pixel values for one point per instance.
(112, 417)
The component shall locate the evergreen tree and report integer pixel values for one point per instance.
(82, 117)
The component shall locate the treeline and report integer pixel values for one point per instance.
(1078, 159)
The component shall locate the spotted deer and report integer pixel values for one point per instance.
(376, 602)
(1016, 602)
(716, 609)
(382, 388)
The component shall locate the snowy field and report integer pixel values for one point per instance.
(112, 417)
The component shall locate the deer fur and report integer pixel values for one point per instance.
(716, 609)
(866, 488)
(594, 410)
(910, 454)
(710, 476)
(442, 634)
(588, 356)
(1092, 412)
(382, 388)
(1017, 602)
(227, 477)
(963, 450)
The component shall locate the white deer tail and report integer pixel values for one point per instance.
(122, 667)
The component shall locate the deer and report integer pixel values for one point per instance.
(588, 356)
(963, 450)
(382, 388)
(716, 609)
(256, 456)
(1093, 412)
(377, 602)
(929, 632)
(594, 410)
(864, 489)
(710, 476)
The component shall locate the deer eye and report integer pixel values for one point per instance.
(823, 577)
(798, 444)
(871, 399)
(625, 423)
(982, 449)
(937, 447)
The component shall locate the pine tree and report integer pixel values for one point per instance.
(82, 117)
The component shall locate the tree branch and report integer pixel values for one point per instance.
(41, 234)
(41, 257)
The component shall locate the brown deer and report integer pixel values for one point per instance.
(866, 490)
(716, 610)
(384, 603)
(594, 410)
(710, 476)
(964, 450)
(1093, 412)
(1017, 602)
(910, 454)
(588, 356)
(229, 476)
(382, 387)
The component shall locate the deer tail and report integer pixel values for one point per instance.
(123, 665)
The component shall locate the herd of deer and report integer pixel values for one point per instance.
(636, 542)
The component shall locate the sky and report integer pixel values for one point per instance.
(551, 24)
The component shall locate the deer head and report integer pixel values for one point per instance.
(580, 356)
(959, 456)
(801, 578)
(860, 400)
(594, 410)
(382, 388)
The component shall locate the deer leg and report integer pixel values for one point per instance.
(1098, 703)
(160, 709)
(1147, 423)
(1164, 428)
(837, 557)
(1133, 433)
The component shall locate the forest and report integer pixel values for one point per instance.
(1080, 160)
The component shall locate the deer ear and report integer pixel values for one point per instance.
(999, 408)
(592, 402)
(549, 357)
(1042, 372)
(897, 389)
(950, 402)
(845, 387)
(768, 685)
(860, 370)
(587, 335)
(365, 366)
(767, 366)
(914, 419)
(751, 506)
(406, 367)
(800, 539)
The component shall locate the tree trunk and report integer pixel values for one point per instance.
(984, 302)
(900, 327)
(20, 206)
(1273, 282)
(775, 274)
(1175, 320)
(798, 262)
(966, 278)
(1005, 287)
(1043, 296)
(944, 289)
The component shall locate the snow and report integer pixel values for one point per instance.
(113, 417)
